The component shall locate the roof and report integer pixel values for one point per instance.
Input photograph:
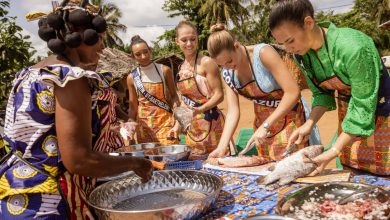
(116, 62)
(171, 60)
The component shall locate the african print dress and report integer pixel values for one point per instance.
(206, 128)
(34, 184)
(266, 94)
(347, 68)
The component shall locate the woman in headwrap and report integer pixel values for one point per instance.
(52, 124)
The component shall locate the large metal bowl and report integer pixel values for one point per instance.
(139, 150)
(171, 153)
(170, 194)
(319, 191)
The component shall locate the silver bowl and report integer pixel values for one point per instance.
(116, 177)
(170, 194)
(139, 150)
(319, 191)
(170, 153)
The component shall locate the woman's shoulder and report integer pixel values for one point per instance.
(351, 41)
(61, 74)
(206, 60)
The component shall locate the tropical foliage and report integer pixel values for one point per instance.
(15, 51)
(112, 14)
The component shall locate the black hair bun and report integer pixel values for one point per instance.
(91, 37)
(73, 40)
(42, 22)
(99, 24)
(135, 38)
(56, 45)
(46, 33)
(55, 21)
(79, 18)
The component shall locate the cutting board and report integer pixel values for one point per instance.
(328, 175)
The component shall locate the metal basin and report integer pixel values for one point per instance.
(170, 194)
(170, 153)
(337, 189)
(139, 150)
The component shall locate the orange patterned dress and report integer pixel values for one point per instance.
(155, 118)
(206, 128)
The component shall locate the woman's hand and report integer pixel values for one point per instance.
(301, 135)
(173, 134)
(196, 110)
(128, 129)
(219, 152)
(143, 168)
(258, 138)
(322, 160)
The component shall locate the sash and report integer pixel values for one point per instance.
(211, 114)
(229, 81)
(140, 87)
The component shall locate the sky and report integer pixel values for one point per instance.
(142, 17)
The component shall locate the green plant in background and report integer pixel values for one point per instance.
(15, 51)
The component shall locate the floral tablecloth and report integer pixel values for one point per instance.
(241, 197)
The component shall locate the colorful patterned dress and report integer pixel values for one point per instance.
(154, 121)
(266, 94)
(349, 63)
(108, 140)
(33, 181)
(206, 128)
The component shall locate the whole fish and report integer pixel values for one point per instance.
(240, 161)
(184, 116)
(292, 167)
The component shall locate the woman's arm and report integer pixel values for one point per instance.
(272, 61)
(301, 134)
(232, 118)
(215, 84)
(133, 99)
(168, 76)
(73, 126)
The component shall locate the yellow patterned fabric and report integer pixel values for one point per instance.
(154, 122)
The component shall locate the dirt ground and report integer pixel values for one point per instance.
(327, 124)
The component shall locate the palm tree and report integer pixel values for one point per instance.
(223, 11)
(112, 14)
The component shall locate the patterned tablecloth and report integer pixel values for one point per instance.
(241, 197)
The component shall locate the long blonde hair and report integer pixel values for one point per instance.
(220, 39)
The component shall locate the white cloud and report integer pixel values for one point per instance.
(38, 44)
(338, 6)
(143, 17)
(36, 6)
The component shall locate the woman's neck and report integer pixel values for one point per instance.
(318, 38)
(145, 65)
(190, 59)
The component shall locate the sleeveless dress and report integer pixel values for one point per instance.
(266, 94)
(154, 121)
(206, 128)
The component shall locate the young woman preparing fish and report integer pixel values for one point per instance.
(343, 60)
(258, 74)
